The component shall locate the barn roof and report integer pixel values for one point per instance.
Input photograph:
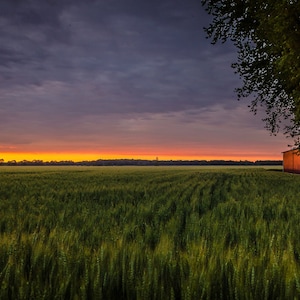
(291, 150)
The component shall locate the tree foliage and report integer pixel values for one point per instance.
(267, 36)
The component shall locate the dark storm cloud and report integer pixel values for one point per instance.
(62, 62)
(33, 12)
(27, 30)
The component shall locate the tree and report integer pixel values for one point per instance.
(267, 36)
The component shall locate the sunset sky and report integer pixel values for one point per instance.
(121, 79)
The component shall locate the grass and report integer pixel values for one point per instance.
(149, 233)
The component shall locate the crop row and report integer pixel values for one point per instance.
(149, 233)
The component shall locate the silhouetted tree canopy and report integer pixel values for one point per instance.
(267, 36)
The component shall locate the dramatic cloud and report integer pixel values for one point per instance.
(117, 74)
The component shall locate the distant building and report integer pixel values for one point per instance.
(291, 161)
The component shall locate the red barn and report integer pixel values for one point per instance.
(291, 161)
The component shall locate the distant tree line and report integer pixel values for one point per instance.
(140, 162)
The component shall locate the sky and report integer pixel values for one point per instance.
(121, 79)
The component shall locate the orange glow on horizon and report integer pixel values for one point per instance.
(76, 157)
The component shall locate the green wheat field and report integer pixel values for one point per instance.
(149, 233)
